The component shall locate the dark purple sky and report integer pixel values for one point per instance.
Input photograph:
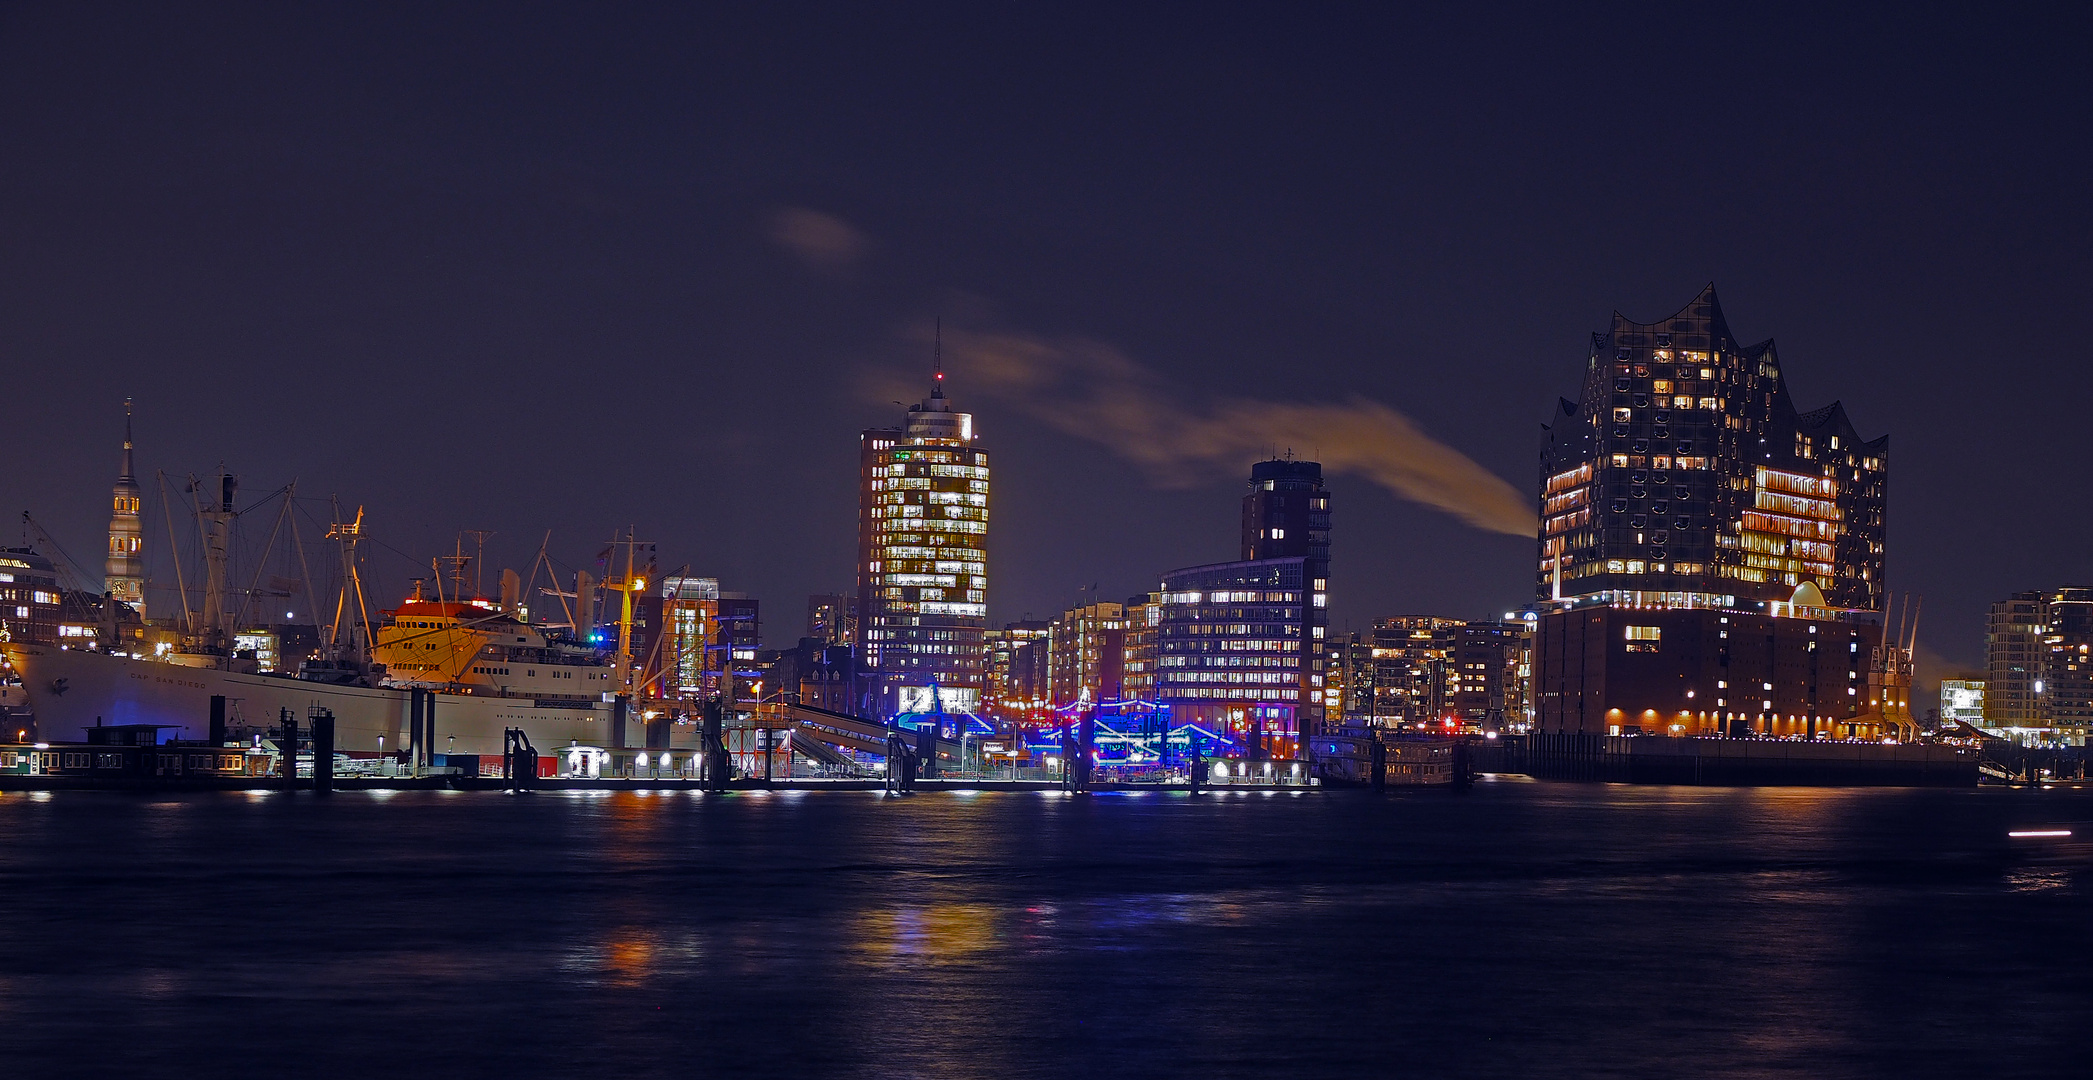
(518, 267)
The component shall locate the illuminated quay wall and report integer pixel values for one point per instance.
(922, 562)
(1710, 559)
(1629, 668)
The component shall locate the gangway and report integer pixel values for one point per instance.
(819, 752)
(839, 730)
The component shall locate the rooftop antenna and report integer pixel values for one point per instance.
(937, 359)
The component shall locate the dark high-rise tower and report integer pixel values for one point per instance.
(1286, 513)
(1703, 542)
(1240, 647)
(922, 560)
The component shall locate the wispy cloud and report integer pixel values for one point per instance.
(1094, 391)
(822, 241)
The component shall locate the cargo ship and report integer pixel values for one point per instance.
(484, 671)
(478, 663)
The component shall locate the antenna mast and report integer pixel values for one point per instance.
(937, 360)
(479, 562)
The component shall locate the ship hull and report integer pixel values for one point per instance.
(70, 690)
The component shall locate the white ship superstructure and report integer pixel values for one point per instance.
(74, 689)
(476, 663)
(484, 670)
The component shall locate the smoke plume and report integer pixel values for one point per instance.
(1094, 391)
(822, 241)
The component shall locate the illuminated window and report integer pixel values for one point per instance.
(1622, 415)
(1644, 639)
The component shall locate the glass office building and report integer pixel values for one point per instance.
(1710, 558)
(922, 562)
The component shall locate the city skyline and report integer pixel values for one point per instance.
(947, 538)
(475, 311)
(133, 481)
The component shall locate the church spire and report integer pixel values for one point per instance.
(127, 474)
(125, 577)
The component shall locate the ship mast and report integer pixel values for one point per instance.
(453, 566)
(217, 526)
(627, 586)
(347, 533)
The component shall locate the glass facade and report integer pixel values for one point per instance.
(1962, 702)
(2039, 667)
(922, 561)
(1685, 467)
(1239, 648)
(1710, 558)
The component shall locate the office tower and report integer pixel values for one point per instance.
(1029, 684)
(1286, 514)
(1348, 671)
(1480, 676)
(689, 620)
(1240, 646)
(1710, 558)
(1004, 688)
(1428, 671)
(740, 640)
(1518, 689)
(702, 632)
(922, 561)
(833, 617)
(1086, 654)
(29, 596)
(815, 673)
(2038, 680)
(125, 580)
(1144, 613)
(2067, 683)
(2013, 660)
(1962, 703)
(1410, 657)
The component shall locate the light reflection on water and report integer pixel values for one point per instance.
(628, 957)
(2040, 879)
(1524, 929)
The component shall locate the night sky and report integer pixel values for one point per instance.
(526, 268)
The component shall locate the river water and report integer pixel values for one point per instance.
(1520, 929)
